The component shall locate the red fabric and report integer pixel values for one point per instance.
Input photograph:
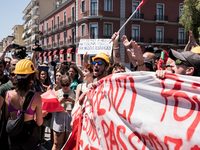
(142, 3)
(62, 51)
(50, 102)
(161, 61)
(70, 50)
(56, 52)
(40, 54)
(71, 143)
(50, 53)
(44, 54)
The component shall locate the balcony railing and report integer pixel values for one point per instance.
(138, 16)
(26, 14)
(27, 36)
(71, 19)
(27, 21)
(35, 23)
(182, 41)
(93, 13)
(161, 18)
(63, 23)
(161, 40)
(137, 39)
(35, 14)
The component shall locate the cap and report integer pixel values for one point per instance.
(192, 58)
(196, 50)
(102, 56)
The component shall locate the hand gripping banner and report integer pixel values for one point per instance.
(139, 111)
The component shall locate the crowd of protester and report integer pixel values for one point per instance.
(70, 85)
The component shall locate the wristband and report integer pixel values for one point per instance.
(115, 47)
(141, 64)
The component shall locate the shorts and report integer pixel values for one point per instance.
(61, 122)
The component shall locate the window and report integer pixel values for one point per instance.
(73, 15)
(159, 34)
(108, 5)
(47, 26)
(65, 57)
(73, 57)
(42, 29)
(135, 5)
(83, 6)
(73, 35)
(93, 6)
(52, 41)
(180, 10)
(47, 40)
(58, 21)
(52, 24)
(160, 12)
(58, 38)
(64, 18)
(65, 36)
(181, 36)
(136, 33)
(81, 56)
(108, 29)
(93, 30)
(83, 30)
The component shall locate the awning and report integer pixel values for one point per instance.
(33, 37)
(50, 53)
(40, 54)
(70, 50)
(29, 31)
(44, 54)
(62, 51)
(23, 35)
(56, 52)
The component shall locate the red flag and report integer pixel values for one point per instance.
(50, 102)
(140, 5)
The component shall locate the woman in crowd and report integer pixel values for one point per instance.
(61, 123)
(88, 78)
(74, 73)
(45, 79)
(28, 138)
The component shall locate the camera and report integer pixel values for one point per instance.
(20, 51)
(14, 45)
(67, 63)
(38, 48)
(43, 68)
(65, 95)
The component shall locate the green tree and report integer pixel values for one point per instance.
(190, 16)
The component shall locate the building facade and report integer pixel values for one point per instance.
(17, 34)
(156, 24)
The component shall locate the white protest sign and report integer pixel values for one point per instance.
(94, 46)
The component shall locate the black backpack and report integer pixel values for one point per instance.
(14, 127)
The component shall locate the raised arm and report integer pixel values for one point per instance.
(116, 49)
(6, 49)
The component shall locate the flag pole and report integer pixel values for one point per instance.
(139, 6)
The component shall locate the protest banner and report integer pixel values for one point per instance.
(94, 46)
(140, 111)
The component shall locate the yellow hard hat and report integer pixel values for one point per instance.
(24, 66)
(102, 56)
(196, 50)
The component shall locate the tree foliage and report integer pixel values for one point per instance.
(190, 16)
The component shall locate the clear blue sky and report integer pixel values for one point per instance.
(11, 15)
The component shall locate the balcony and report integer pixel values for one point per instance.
(56, 45)
(63, 24)
(137, 39)
(137, 17)
(35, 24)
(35, 5)
(49, 46)
(35, 15)
(93, 14)
(25, 30)
(56, 27)
(27, 37)
(27, 21)
(27, 14)
(182, 41)
(161, 18)
(161, 40)
(71, 20)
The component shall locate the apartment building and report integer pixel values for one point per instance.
(18, 31)
(1, 46)
(7, 40)
(35, 10)
(156, 24)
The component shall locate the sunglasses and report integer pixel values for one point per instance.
(98, 63)
(65, 85)
(8, 62)
(12, 74)
(148, 65)
(179, 62)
